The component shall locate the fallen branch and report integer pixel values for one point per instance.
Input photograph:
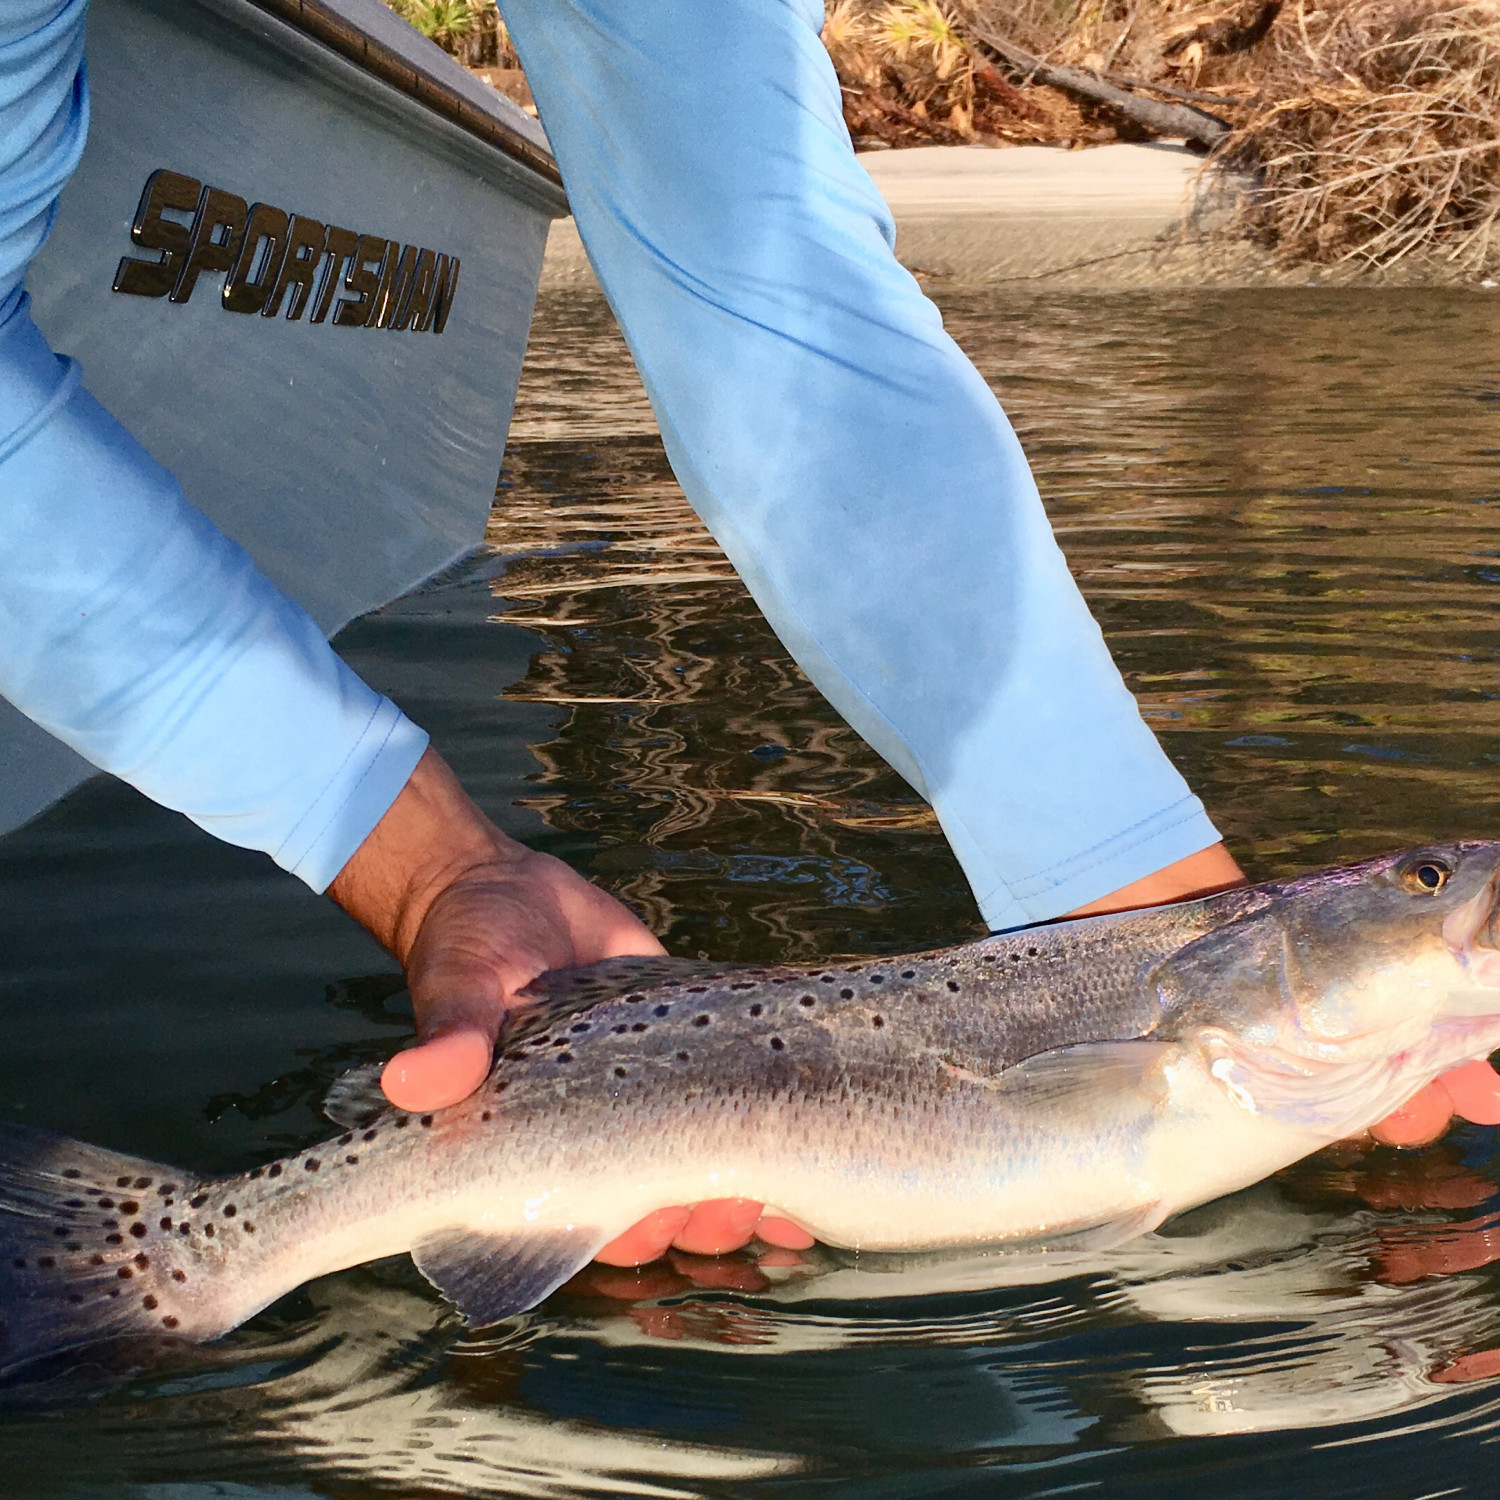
(1196, 125)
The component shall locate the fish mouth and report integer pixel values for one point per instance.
(1472, 933)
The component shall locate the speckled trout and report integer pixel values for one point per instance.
(1071, 1084)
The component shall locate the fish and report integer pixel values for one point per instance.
(1069, 1085)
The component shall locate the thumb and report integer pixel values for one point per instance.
(438, 1072)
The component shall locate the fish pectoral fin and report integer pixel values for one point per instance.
(492, 1276)
(1090, 1075)
(356, 1098)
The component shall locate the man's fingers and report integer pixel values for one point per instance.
(1420, 1121)
(1475, 1091)
(783, 1234)
(718, 1227)
(438, 1072)
(647, 1241)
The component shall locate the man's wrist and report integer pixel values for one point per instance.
(430, 836)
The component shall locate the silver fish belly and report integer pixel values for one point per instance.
(1073, 1083)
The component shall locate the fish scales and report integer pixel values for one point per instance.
(1071, 1083)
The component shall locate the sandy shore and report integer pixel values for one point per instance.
(971, 214)
(1111, 217)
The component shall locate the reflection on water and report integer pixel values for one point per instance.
(1279, 504)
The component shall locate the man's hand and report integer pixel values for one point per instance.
(473, 918)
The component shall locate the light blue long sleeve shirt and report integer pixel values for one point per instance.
(130, 627)
(853, 464)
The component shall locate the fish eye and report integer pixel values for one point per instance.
(1426, 877)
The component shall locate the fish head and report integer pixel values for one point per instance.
(1365, 982)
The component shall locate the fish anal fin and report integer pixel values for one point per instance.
(356, 1098)
(1109, 1234)
(492, 1276)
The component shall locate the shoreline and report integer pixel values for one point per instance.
(1105, 218)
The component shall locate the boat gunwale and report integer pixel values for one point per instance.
(323, 24)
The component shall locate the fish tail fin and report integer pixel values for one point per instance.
(83, 1254)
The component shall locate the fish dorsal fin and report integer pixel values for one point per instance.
(356, 1098)
(562, 992)
(492, 1276)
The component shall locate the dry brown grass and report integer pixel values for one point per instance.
(1379, 135)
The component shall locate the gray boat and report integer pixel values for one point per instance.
(298, 260)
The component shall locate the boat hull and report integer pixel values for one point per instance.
(351, 460)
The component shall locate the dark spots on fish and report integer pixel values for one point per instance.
(274, 1170)
(369, 1135)
(75, 1203)
(248, 1227)
(562, 1041)
(541, 1041)
(953, 985)
(256, 1172)
(877, 1022)
(579, 1027)
(501, 1085)
(1015, 958)
(62, 1232)
(124, 1273)
(742, 986)
(827, 979)
(166, 1224)
(169, 1321)
(619, 1072)
(426, 1122)
(563, 1057)
(94, 1260)
(72, 1174)
(1031, 953)
(230, 1210)
(808, 1001)
(138, 1230)
(106, 1203)
(634, 999)
(140, 1183)
(486, 1117)
(351, 1161)
(777, 1045)
(149, 1302)
(73, 1247)
(877, 978)
(989, 958)
(114, 1239)
(143, 1261)
(168, 1188)
(198, 1201)
(184, 1229)
(179, 1275)
(122, 1182)
(208, 1229)
(515, 1055)
(661, 1010)
(846, 993)
(697, 989)
(46, 1262)
(700, 1020)
(111, 1224)
(620, 1030)
(402, 1121)
(682, 1057)
(114, 1291)
(757, 1010)
(346, 1140)
(130, 1206)
(640, 1026)
(312, 1164)
(908, 973)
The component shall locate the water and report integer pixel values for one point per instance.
(1282, 507)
